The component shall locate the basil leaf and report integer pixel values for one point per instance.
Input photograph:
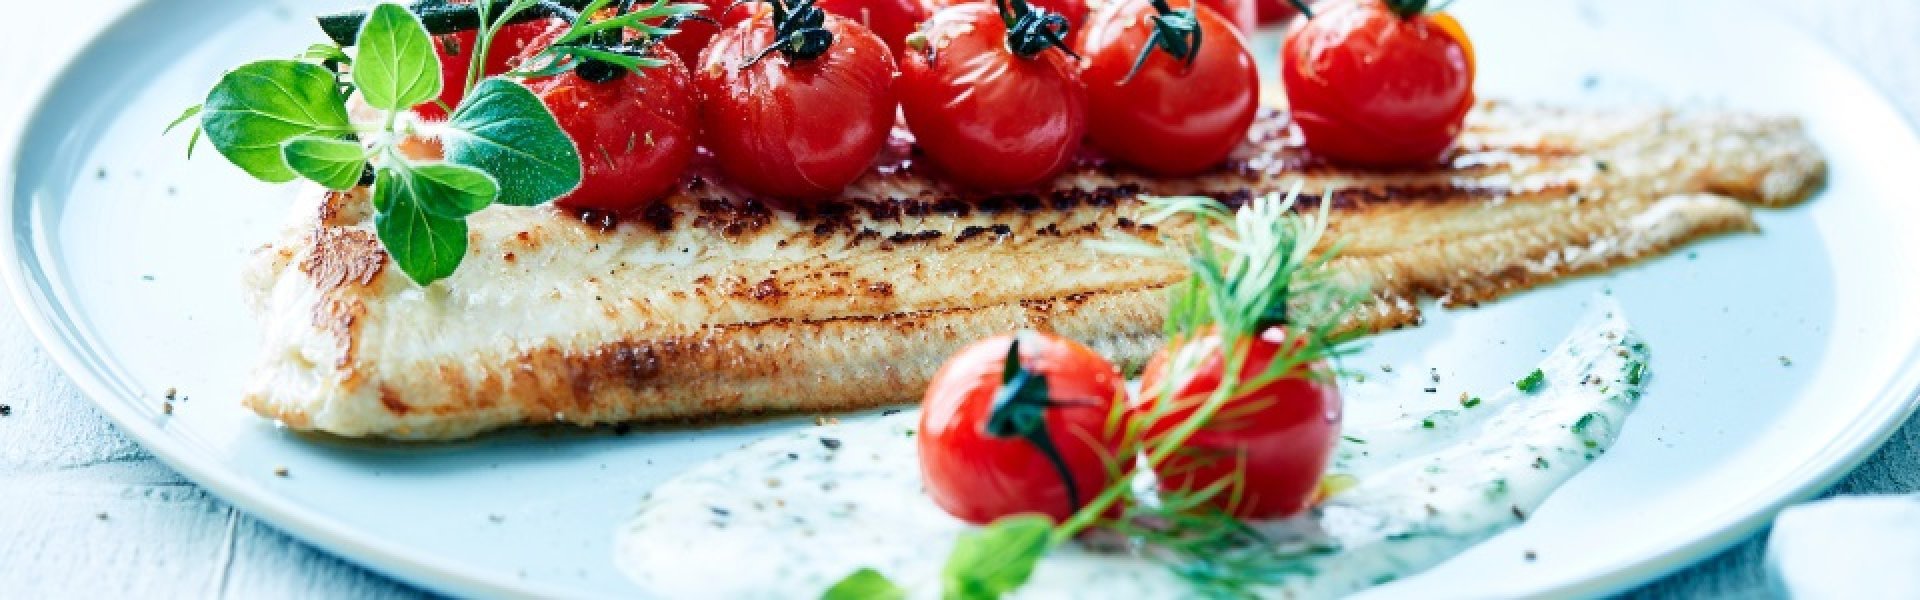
(333, 163)
(990, 562)
(503, 129)
(865, 584)
(450, 190)
(427, 247)
(256, 108)
(397, 67)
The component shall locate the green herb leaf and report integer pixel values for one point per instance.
(989, 562)
(194, 138)
(1532, 382)
(189, 113)
(426, 246)
(321, 53)
(334, 163)
(865, 584)
(450, 190)
(258, 107)
(632, 20)
(503, 129)
(397, 67)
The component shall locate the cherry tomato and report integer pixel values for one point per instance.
(1273, 441)
(1074, 10)
(892, 20)
(1172, 116)
(695, 34)
(1371, 87)
(456, 56)
(991, 112)
(796, 125)
(1276, 11)
(636, 131)
(1241, 13)
(993, 445)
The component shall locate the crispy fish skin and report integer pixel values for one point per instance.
(709, 305)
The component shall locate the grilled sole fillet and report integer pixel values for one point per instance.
(710, 304)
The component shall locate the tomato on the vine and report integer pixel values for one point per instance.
(1183, 108)
(796, 102)
(636, 131)
(892, 20)
(1379, 82)
(456, 57)
(995, 102)
(1271, 443)
(1022, 423)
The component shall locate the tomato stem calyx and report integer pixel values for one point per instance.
(1177, 32)
(800, 32)
(1020, 410)
(1032, 30)
(1407, 9)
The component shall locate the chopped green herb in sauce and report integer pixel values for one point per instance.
(1635, 370)
(1470, 402)
(1532, 382)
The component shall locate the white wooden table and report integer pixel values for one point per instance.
(85, 512)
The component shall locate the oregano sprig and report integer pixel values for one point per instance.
(287, 119)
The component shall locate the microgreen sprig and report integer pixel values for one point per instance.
(281, 120)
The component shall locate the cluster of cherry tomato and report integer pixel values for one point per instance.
(795, 98)
(1037, 423)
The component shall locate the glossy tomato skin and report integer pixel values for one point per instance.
(456, 56)
(801, 129)
(636, 133)
(1368, 87)
(987, 118)
(1280, 435)
(693, 35)
(892, 20)
(1075, 11)
(1271, 12)
(1243, 14)
(1171, 118)
(978, 477)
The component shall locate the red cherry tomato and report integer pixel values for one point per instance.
(795, 127)
(456, 56)
(636, 132)
(1276, 11)
(988, 116)
(892, 20)
(991, 446)
(1074, 10)
(694, 34)
(1171, 117)
(1241, 13)
(1371, 87)
(1273, 441)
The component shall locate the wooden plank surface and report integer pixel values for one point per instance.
(84, 512)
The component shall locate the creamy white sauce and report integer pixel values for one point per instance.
(789, 516)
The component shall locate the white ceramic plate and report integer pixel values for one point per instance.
(124, 255)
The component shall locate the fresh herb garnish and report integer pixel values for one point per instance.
(1532, 382)
(865, 584)
(281, 120)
